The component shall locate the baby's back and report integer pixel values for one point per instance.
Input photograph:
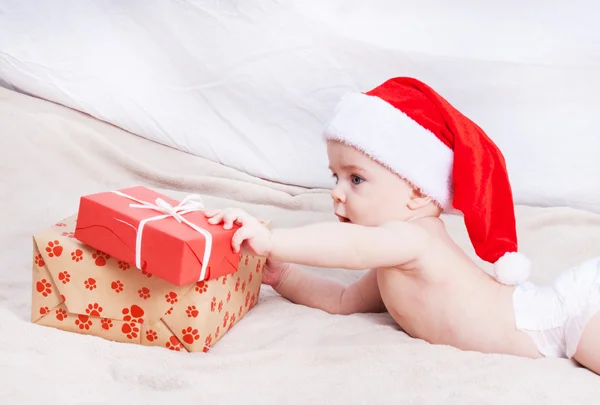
(443, 297)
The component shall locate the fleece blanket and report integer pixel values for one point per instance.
(280, 353)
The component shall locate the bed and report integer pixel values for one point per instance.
(87, 125)
(280, 352)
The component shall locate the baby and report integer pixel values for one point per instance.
(401, 155)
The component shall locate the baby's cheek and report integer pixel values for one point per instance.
(385, 211)
(372, 216)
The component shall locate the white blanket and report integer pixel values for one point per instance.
(279, 353)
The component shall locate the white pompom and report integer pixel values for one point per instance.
(512, 268)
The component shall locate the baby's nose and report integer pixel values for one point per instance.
(338, 195)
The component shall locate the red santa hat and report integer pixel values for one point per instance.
(409, 128)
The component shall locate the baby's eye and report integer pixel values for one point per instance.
(356, 179)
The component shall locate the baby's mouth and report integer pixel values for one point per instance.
(343, 219)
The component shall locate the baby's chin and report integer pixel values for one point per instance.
(368, 221)
(364, 220)
(354, 221)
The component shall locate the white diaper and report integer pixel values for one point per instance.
(555, 315)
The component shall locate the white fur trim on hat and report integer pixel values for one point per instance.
(390, 137)
(512, 268)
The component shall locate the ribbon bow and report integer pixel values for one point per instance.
(189, 204)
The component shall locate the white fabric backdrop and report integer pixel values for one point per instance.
(251, 84)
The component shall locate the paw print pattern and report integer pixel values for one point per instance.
(207, 343)
(64, 277)
(246, 261)
(117, 286)
(61, 224)
(130, 330)
(192, 312)
(201, 287)
(258, 266)
(93, 309)
(133, 314)
(226, 319)
(190, 335)
(77, 255)
(169, 312)
(83, 322)
(144, 293)
(54, 249)
(232, 321)
(68, 234)
(100, 258)
(133, 317)
(151, 336)
(174, 344)
(171, 297)
(39, 261)
(43, 287)
(145, 273)
(90, 284)
(61, 314)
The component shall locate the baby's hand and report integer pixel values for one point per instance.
(257, 236)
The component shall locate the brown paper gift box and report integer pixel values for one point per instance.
(79, 289)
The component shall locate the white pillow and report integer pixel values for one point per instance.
(251, 84)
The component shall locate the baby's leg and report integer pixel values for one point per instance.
(588, 349)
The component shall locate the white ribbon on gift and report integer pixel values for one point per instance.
(189, 204)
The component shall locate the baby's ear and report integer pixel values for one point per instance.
(418, 200)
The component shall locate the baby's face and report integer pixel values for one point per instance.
(366, 193)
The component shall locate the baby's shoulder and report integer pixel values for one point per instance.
(411, 233)
(426, 232)
(431, 225)
(403, 227)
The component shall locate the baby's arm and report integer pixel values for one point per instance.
(338, 245)
(349, 246)
(303, 288)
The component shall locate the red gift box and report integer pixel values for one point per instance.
(159, 235)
